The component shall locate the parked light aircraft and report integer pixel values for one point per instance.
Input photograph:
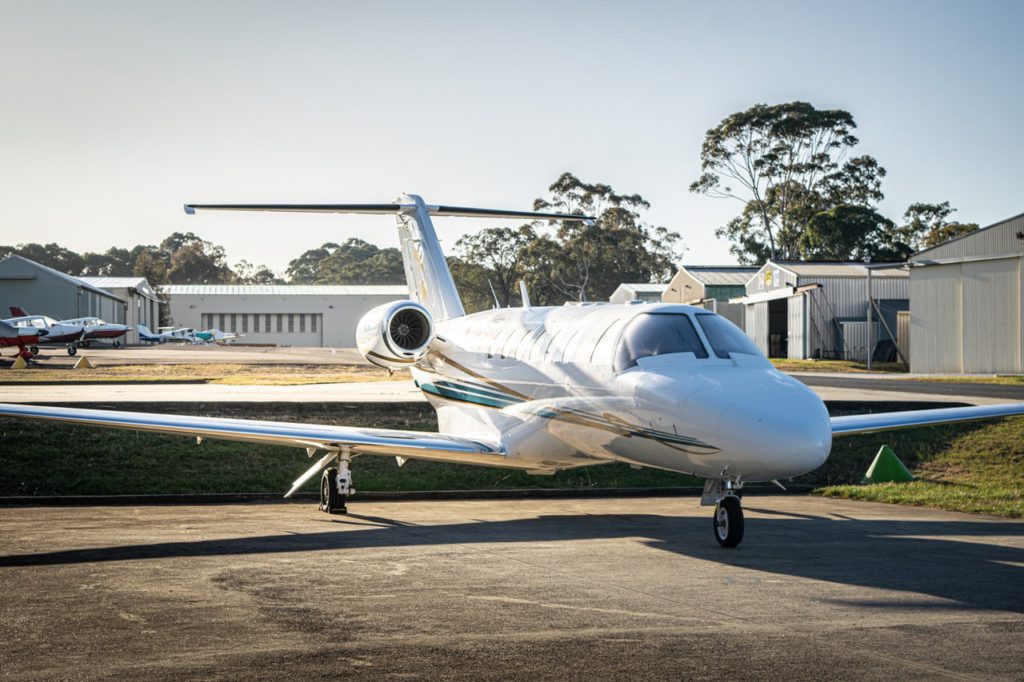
(546, 389)
(95, 328)
(166, 334)
(21, 337)
(57, 333)
(216, 336)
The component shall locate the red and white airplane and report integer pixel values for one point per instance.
(55, 333)
(22, 337)
(95, 328)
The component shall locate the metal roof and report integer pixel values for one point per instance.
(803, 269)
(721, 275)
(644, 288)
(140, 284)
(285, 290)
(77, 281)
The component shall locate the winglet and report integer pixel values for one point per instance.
(190, 209)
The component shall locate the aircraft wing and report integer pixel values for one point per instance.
(438, 447)
(889, 421)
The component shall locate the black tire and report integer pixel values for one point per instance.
(117, 344)
(728, 522)
(72, 350)
(330, 501)
(34, 349)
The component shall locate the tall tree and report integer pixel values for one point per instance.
(353, 262)
(194, 260)
(785, 163)
(491, 259)
(584, 262)
(926, 225)
(852, 233)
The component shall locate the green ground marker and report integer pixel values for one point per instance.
(887, 468)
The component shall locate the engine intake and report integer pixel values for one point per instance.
(395, 335)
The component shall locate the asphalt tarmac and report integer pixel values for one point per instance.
(535, 589)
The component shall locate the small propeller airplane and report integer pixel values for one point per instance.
(95, 328)
(167, 334)
(57, 333)
(24, 338)
(544, 389)
(215, 336)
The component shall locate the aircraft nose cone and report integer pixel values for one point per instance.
(780, 435)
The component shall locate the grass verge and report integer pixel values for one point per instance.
(972, 468)
(838, 366)
(975, 467)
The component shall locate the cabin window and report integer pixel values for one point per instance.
(724, 336)
(657, 334)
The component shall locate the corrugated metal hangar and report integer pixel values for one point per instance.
(711, 286)
(627, 293)
(819, 310)
(966, 302)
(141, 303)
(40, 290)
(281, 314)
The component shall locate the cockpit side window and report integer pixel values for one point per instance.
(657, 334)
(724, 336)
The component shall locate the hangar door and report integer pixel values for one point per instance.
(991, 315)
(282, 329)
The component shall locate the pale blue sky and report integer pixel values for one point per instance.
(113, 114)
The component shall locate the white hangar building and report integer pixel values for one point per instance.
(141, 302)
(967, 302)
(280, 314)
(803, 310)
(636, 292)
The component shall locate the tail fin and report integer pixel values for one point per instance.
(426, 270)
(18, 312)
(144, 330)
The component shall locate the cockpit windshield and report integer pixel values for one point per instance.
(724, 336)
(657, 334)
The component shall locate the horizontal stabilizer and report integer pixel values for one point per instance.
(384, 209)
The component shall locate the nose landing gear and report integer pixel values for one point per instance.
(728, 518)
(729, 521)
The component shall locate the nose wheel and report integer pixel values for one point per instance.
(728, 521)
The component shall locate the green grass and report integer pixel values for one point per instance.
(838, 366)
(975, 468)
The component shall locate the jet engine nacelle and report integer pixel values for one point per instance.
(395, 335)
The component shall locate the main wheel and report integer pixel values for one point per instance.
(330, 501)
(72, 350)
(34, 349)
(728, 521)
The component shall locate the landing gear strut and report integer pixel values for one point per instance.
(728, 518)
(336, 486)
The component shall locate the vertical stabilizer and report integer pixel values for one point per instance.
(426, 270)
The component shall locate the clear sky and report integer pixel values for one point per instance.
(114, 114)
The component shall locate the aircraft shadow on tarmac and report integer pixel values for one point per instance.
(956, 561)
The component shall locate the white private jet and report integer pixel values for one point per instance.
(546, 389)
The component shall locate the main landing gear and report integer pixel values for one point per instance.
(72, 349)
(336, 486)
(728, 518)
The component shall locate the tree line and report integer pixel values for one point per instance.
(802, 195)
